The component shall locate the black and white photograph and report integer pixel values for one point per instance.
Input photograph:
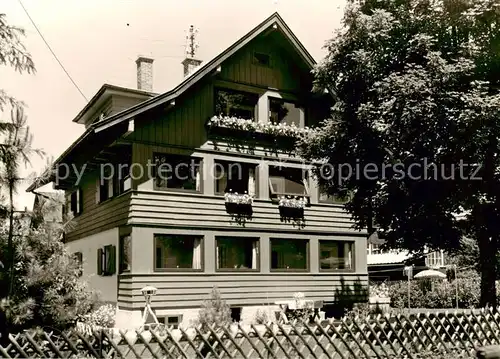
(250, 179)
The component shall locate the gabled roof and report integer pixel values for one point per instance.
(274, 22)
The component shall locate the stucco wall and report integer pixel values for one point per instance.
(106, 285)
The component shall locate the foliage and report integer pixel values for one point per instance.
(15, 151)
(303, 309)
(102, 317)
(379, 290)
(415, 124)
(443, 294)
(48, 290)
(13, 54)
(290, 202)
(360, 310)
(230, 197)
(280, 129)
(214, 311)
(261, 317)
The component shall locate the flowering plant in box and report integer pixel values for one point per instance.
(297, 202)
(259, 127)
(238, 198)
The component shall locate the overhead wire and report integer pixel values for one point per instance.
(52, 51)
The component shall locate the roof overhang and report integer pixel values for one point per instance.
(104, 93)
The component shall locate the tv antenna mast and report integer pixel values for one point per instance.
(191, 42)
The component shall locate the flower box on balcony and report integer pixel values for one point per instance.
(238, 203)
(232, 126)
(292, 207)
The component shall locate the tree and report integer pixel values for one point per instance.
(414, 125)
(48, 289)
(14, 54)
(15, 151)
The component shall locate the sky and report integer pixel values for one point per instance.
(98, 41)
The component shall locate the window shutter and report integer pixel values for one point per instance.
(112, 261)
(99, 261)
(72, 201)
(97, 190)
(80, 200)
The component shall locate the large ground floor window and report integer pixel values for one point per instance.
(336, 255)
(289, 254)
(178, 252)
(237, 253)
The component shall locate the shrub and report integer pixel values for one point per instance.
(303, 312)
(214, 311)
(442, 295)
(102, 317)
(261, 317)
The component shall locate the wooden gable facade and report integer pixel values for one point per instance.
(136, 215)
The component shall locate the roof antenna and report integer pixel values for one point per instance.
(191, 42)
(275, 2)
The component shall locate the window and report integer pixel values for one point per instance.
(125, 254)
(373, 248)
(234, 177)
(124, 179)
(237, 253)
(336, 255)
(236, 314)
(287, 181)
(434, 259)
(289, 254)
(285, 112)
(178, 252)
(177, 172)
(76, 202)
(171, 320)
(261, 59)
(106, 184)
(235, 103)
(106, 260)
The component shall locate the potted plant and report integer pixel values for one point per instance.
(238, 203)
(292, 207)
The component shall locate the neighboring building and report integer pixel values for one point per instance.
(181, 234)
(48, 207)
(388, 265)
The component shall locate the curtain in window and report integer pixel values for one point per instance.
(347, 255)
(255, 254)
(221, 180)
(251, 181)
(197, 254)
(198, 180)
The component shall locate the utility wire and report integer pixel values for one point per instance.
(50, 49)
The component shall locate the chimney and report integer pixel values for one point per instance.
(190, 64)
(144, 73)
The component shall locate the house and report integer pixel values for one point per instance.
(48, 207)
(184, 190)
(389, 265)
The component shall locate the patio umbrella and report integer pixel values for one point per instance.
(430, 274)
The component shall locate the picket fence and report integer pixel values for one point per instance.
(382, 336)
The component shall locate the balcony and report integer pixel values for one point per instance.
(241, 129)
